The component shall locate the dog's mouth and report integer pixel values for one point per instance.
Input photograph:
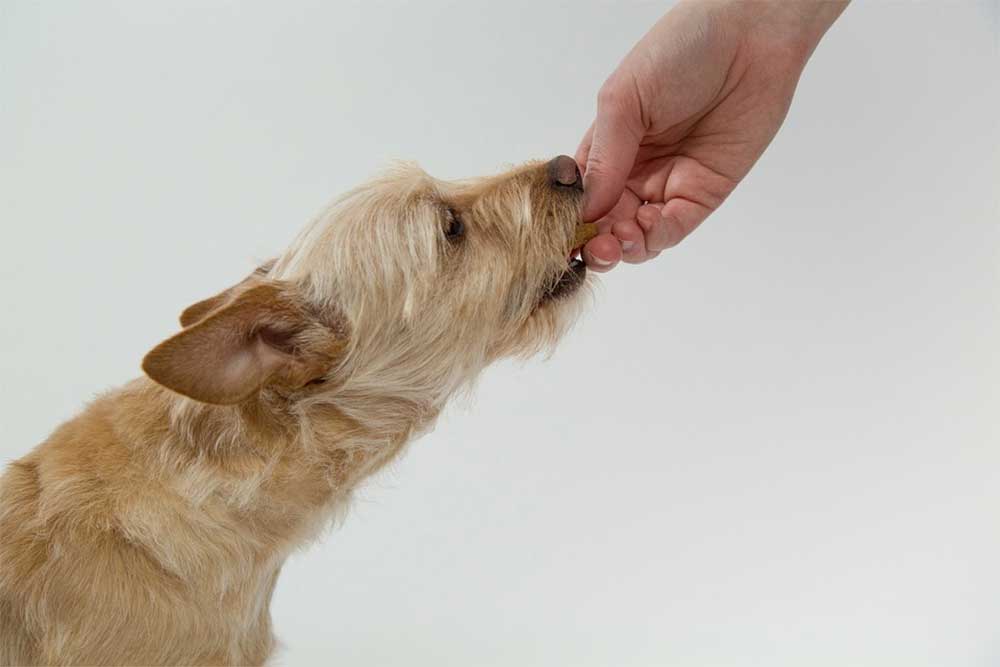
(569, 281)
(576, 269)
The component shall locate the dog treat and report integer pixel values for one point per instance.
(584, 232)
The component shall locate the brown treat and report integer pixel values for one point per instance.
(584, 232)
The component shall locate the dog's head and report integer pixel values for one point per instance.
(406, 286)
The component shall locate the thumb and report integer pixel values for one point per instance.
(614, 144)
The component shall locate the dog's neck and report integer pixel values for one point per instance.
(252, 482)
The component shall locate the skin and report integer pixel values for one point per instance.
(685, 116)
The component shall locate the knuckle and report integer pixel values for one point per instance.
(598, 165)
(612, 98)
(625, 230)
(659, 237)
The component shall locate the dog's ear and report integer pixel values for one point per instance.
(253, 337)
(198, 311)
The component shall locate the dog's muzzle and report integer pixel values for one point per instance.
(576, 269)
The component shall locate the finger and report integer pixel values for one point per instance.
(654, 228)
(681, 217)
(602, 253)
(624, 209)
(632, 240)
(584, 149)
(614, 144)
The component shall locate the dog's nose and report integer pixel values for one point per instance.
(564, 173)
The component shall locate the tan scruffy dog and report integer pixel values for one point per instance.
(151, 528)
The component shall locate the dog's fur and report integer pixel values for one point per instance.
(151, 528)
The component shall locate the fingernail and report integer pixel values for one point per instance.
(600, 262)
(627, 245)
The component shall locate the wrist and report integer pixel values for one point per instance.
(795, 26)
(816, 17)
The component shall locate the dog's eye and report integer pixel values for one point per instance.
(455, 228)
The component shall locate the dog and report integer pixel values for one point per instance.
(151, 528)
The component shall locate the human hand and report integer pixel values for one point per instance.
(685, 116)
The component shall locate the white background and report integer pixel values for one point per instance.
(778, 444)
